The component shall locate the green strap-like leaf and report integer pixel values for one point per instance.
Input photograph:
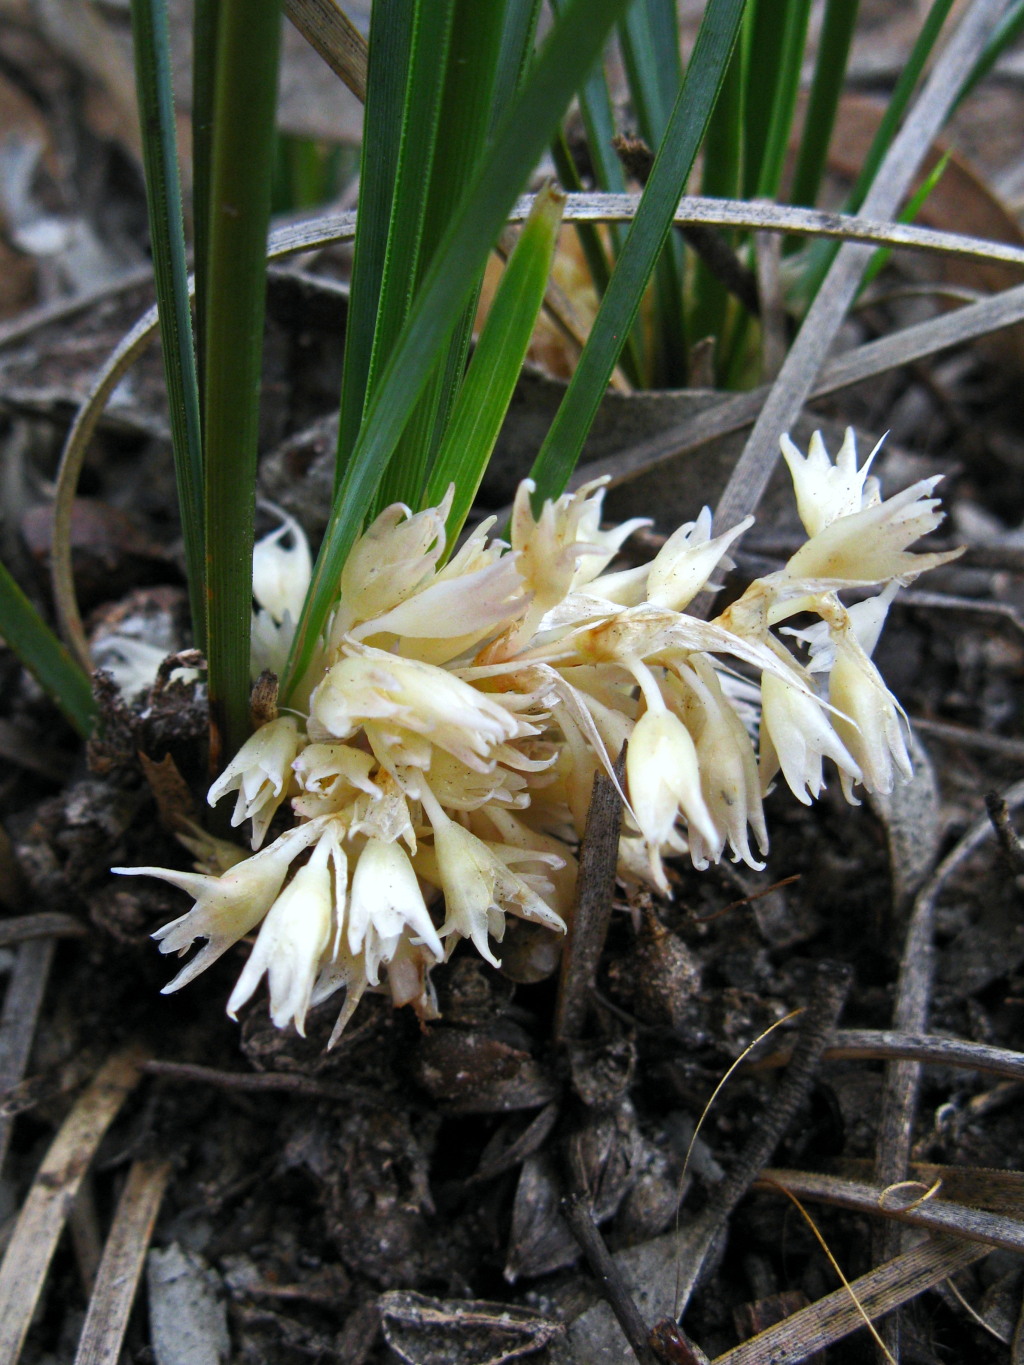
(27, 634)
(167, 236)
(466, 103)
(248, 42)
(497, 360)
(571, 48)
(650, 48)
(829, 73)
(390, 41)
(651, 226)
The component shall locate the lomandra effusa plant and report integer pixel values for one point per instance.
(438, 758)
(433, 709)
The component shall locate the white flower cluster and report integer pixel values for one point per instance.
(439, 771)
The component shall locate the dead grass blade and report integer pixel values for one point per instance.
(732, 414)
(934, 1215)
(45, 1211)
(878, 1292)
(121, 1266)
(23, 1000)
(331, 33)
(825, 315)
(47, 924)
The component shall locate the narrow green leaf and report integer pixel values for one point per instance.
(1005, 32)
(571, 47)
(763, 44)
(167, 236)
(205, 18)
(820, 260)
(248, 43)
(599, 124)
(428, 56)
(650, 50)
(27, 634)
(497, 360)
(390, 40)
(465, 107)
(721, 178)
(650, 227)
(517, 39)
(829, 73)
(786, 86)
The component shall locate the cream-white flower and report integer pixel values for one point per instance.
(795, 736)
(389, 561)
(295, 934)
(687, 560)
(260, 772)
(226, 907)
(869, 719)
(281, 574)
(827, 491)
(386, 902)
(373, 685)
(479, 884)
(728, 768)
(663, 778)
(870, 546)
(280, 581)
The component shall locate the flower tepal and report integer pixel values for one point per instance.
(436, 780)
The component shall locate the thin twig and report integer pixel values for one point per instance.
(934, 1214)
(595, 886)
(610, 1282)
(816, 1025)
(892, 1045)
(263, 1081)
(46, 924)
(910, 1015)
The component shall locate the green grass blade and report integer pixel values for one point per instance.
(650, 51)
(599, 125)
(763, 45)
(518, 35)
(829, 71)
(721, 178)
(901, 95)
(390, 42)
(820, 260)
(465, 106)
(167, 236)
(205, 19)
(497, 360)
(1005, 32)
(571, 48)
(26, 633)
(653, 67)
(653, 222)
(787, 87)
(248, 44)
